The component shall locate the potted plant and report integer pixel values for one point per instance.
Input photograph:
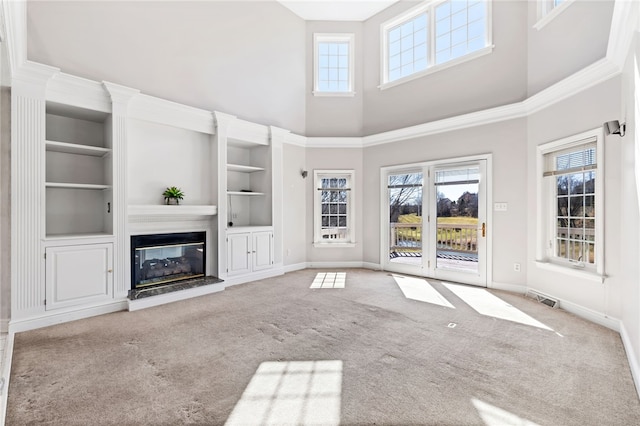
(173, 195)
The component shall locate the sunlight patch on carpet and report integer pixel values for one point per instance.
(291, 393)
(487, 304)
(494, 416)
(329, 280)
(420, 290)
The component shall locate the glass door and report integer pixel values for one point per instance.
(460, 225)
(405, 230)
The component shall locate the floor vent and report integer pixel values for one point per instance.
(542, 298)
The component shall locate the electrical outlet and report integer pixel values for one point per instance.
(516, 267)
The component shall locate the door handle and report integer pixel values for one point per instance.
(484, 229)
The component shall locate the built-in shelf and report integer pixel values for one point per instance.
(74, 148)
(244, 193)
(75, 185)
(243, 168)
(53, 237)
(163, 212)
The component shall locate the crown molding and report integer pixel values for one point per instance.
(81, 92)
(624, 24)
(161, 111)
(14, 15)
(334, 142)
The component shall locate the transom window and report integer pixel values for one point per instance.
(548, 10)
(333, 59)
(333, 207)
(571, 183)
(432, 34)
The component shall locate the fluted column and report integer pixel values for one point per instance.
(28, 117)
(120, 97)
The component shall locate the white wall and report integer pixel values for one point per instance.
(161, 156)
(506, 142)
(242, 58)
(577, 37)
(295, 213)
(584, 111)
(335, 115)
(491, 80)
(630, 202)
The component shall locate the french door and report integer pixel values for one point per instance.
(435, 220)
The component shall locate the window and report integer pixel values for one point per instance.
(333, 64)
(432, 34)
(572, 197)
(549, 9)
(333, 207)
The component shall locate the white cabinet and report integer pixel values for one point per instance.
(249, 251)
(78, 275)
(262, 250)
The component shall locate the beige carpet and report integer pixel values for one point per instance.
(363, 354)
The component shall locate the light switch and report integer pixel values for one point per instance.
(500, 207)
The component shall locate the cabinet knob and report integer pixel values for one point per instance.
(110, 271)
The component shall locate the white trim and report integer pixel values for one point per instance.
(334, 142)
(163, 299)
(163, 212)
(294, 267)
(52, 318)
(546, 16)
(624, 24)
(334, 38)
(328, 265)
(276, 271)
(162, 111)
(631, 356)
(512, 288)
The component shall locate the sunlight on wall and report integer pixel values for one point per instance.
(288, 393)
(420, 290)
(486, 303)
(494, 416)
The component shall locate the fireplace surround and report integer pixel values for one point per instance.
(162, 259)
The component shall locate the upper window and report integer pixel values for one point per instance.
(333, 207)
(549, 9)
(333, 64)
(572, 193)
(432, 34)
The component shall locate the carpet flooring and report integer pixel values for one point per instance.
(288, 354)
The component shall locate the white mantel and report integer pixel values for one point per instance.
(170, 213)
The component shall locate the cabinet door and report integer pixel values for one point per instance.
(77, 275)
(262, 250)
(238, 253)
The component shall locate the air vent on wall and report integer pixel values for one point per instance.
(542, 298)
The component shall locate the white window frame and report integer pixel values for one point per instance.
(318, 240)
(429, 7)
(547, 208)
(336, 38)
(548, 11)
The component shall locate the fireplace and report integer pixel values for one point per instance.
(160, 259)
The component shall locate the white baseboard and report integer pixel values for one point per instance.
(295, 267)
(53, 318)
(254, 276)
(6, 375)
(631, 356)
(327, 265)
(513, 288)
(163, 299)
(373, 266)
(585, 313)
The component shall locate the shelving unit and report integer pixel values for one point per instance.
(78, 172)
(248, 183)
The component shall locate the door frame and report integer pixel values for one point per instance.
(428, 192)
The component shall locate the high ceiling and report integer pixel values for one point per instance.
(336, 10)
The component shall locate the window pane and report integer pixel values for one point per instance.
(443, 10)
(459, 19)
(563, 207)
(576, 183)
(563, 186)
(394, 35)
(342, 221)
